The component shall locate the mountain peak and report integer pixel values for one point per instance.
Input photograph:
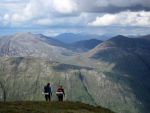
(119, 37)
(23, 33)
(26, 36)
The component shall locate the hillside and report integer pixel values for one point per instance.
(131, 60)
(52, 107)
(101, 86)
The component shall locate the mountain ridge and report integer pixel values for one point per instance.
(72, 37)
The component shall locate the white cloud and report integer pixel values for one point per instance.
(128, 18)
(44, 21)
(6, 17)
(64, 6)
(36, 9)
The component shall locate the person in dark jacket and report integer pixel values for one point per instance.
(60, 93)
(47, 92)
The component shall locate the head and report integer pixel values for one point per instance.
(48, 84)
(60, 86)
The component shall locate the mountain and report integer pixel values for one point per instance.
(54, 107)
(114, 74)
(120, 44)
(84, 45)
(130, 60)
(71, 37)
(146, 37)
(28, 44)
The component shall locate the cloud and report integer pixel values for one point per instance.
(19, 11)
(128, 18)
(114, 6)
(75, 15)
(44, 21)
(36, 9)
(65, 22)
(122, 3)
(64, 6)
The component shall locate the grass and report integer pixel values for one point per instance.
(49, 107)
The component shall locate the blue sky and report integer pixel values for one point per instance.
(51, 17)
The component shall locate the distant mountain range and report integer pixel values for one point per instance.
(38, 45)
(112, 73)
(85, 45)
(71, 37)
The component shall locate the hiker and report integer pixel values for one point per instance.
(60, 93)
(47, 92)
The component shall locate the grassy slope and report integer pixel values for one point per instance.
(27, 76)
(49, 107)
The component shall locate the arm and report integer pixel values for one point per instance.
(63, 92)
(50, 91)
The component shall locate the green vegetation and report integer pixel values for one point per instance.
(50, 107)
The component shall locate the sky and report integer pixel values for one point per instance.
(52, 17)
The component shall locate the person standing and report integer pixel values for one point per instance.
(47, 92)
(60, 93)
